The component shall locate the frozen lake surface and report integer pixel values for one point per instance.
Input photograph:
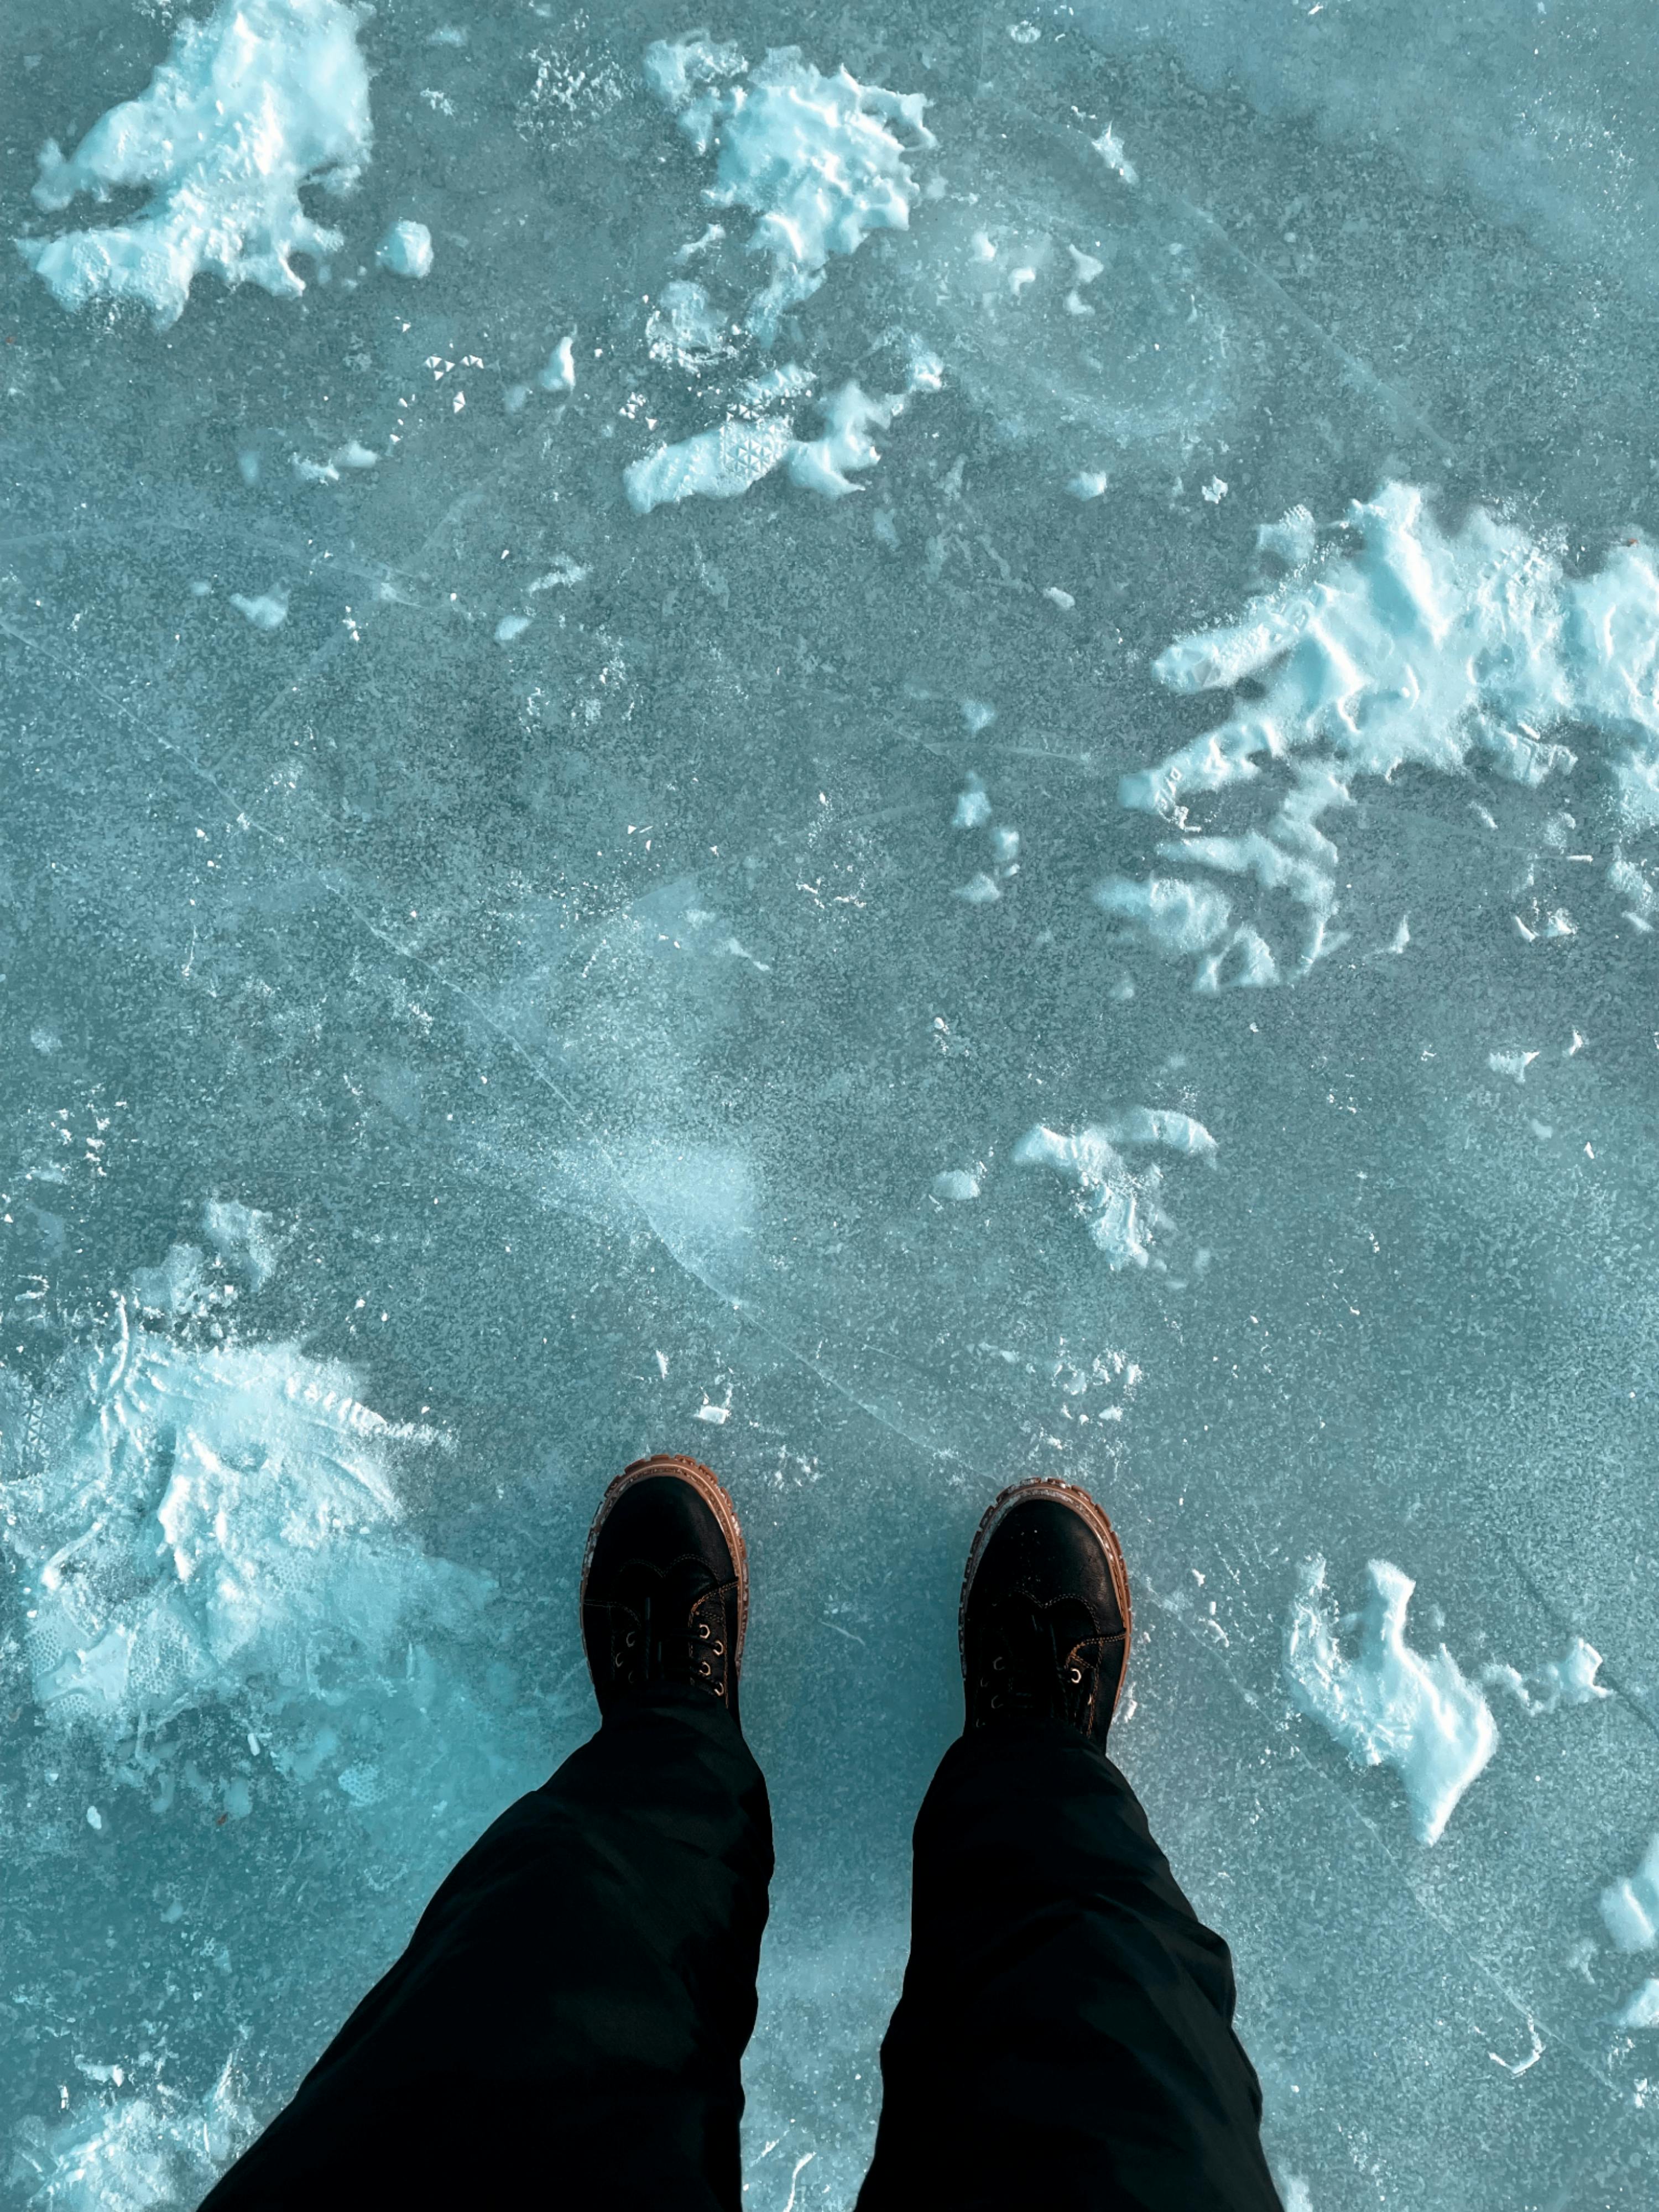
(905, 747)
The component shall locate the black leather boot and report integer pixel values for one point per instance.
(1045, 1612)
(664, 1589)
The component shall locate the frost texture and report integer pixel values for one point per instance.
(1405, 645)
(812, 156)
(1122, 1205)
(718, 464)
(133, 2154)
(264, 97)
(195, 1516)
(1386, 1705)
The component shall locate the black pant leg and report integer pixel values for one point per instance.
(566, 2024)
(1064, 2039)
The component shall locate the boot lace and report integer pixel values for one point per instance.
(669, 1626)
(1040, 1661)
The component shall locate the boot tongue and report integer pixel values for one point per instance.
(1036, 1641)
(663, 1603)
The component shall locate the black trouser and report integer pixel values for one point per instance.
(568, 2023)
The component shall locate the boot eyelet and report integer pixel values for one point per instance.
(703, 1667)
(998, 1664)
(631, 1639)
(702, 1629)
(996, 1702)
(621, 1661)
(1077, 1674)
(719, 1651)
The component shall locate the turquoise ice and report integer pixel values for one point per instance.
(904, 751)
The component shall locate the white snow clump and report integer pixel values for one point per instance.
(406, 249)
(1122, 1205)
(722, 462)
(812, 156)
(263, 97)
(1386, 1705)
(1405, 644)
(1631, 1907)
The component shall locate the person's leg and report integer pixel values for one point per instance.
(568, 2021)
(1065, 2035)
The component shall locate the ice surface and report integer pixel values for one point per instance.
(495, 981)
(264, 96)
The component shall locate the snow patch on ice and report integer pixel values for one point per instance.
(1512, 1064)
(131, 2153)
(675, 68)
(353, 455)
(1404, 644)
(825, 465)
(198, 1516)
(980, 890)
(1569, 1680)
(264, 96)
(1643, 2010)
(1122, 1205)
(959, 1185)
(973, 807)
(813, 157)
(1174, 915)
(1385, 1703)
(1631, 1907)
(723, 462)
(406, 249)
(266, 610)
(560, 373)
(564, 574)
